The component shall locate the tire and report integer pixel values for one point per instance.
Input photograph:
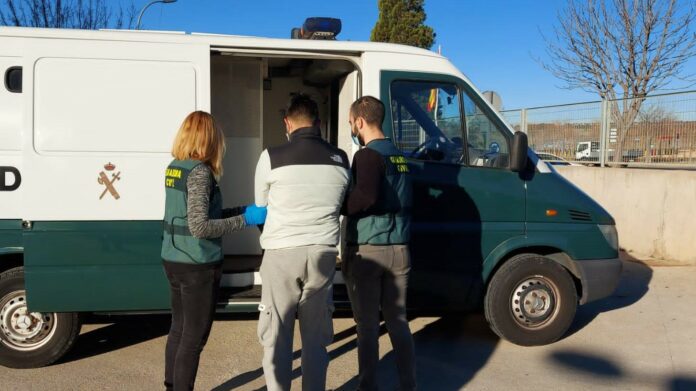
(45, 337)
(531, 300)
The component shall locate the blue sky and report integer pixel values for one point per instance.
(493, 42)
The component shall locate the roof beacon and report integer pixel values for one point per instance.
(318, 28)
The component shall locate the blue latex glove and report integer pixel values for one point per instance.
(255, 215)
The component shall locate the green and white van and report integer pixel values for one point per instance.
(87, 120)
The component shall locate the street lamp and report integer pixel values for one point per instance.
(137, 26)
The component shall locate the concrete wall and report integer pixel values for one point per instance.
(655, 210)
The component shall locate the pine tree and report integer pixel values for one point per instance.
(402, 21)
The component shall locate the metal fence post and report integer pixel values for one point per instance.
(604, 124)
(523, 121)
(663, 134)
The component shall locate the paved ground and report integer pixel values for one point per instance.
(642, 338)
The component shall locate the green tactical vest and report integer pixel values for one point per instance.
(178, 245)
(396, 201)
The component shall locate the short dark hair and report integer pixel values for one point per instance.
(301, 106)
(370, 109)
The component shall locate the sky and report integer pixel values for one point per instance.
(496, 43)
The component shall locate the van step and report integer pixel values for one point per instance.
(252, 294)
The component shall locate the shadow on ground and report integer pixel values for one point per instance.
(633, 285)
(449, 352)
(123, 331)
(249, 376)
(589, 363)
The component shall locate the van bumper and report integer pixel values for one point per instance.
(599, 278)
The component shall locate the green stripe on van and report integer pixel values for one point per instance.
(95, 266)
(10, 236)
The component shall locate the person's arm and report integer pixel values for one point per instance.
(261, 179)
(200, 224)
(368, 171)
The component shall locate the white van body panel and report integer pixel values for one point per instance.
(100, 102)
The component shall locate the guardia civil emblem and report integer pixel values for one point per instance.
(109, 182)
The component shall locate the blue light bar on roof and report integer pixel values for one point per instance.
(318, 28)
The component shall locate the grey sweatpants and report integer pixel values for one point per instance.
(377, 277)
(296, 282)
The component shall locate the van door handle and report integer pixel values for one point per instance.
(26, 224)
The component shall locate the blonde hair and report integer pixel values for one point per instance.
(199, 138)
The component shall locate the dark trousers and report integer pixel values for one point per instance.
(377, 279)
(194, 290)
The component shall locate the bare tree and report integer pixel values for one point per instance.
(623, 50)
(75, 14)
(656, 114)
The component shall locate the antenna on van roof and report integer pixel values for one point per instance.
(317, 28)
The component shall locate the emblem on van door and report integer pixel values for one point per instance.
(109, 183)
(4, 178)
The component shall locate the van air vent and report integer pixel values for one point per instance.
(579, 215)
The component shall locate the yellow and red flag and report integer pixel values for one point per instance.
(432, 100)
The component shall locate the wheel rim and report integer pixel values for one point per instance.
(534, 302)
(23, 330)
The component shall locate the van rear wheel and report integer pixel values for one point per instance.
(531, 300)
(31, 339)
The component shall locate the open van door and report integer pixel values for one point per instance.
(98, 138)
(467, 200)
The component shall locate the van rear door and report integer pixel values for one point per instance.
(104, 117)
(466, 199)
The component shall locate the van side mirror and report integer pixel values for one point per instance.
(518, 153)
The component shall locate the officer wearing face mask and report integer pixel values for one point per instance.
(377, 262)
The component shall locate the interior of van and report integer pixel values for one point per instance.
(249, 94)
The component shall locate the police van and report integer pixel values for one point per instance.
(87, 120)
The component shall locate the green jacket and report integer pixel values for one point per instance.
(391, 222)
(178, 245)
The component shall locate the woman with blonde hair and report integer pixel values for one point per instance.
(194, 223)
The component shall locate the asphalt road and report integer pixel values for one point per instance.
(642, 338)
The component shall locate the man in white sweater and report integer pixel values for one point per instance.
(303, 184)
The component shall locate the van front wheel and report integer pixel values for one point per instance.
(531, 300)
(31, 339)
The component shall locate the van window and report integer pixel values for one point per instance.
(94, 105)
(427, 120)
(13, 79)
(488, 146)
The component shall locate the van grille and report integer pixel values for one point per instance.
(579, 215)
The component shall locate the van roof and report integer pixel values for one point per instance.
(215, 40)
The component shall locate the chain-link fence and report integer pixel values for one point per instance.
(657, 130)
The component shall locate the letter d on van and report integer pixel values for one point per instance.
(9, 182)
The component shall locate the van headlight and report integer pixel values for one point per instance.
(610, 235)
